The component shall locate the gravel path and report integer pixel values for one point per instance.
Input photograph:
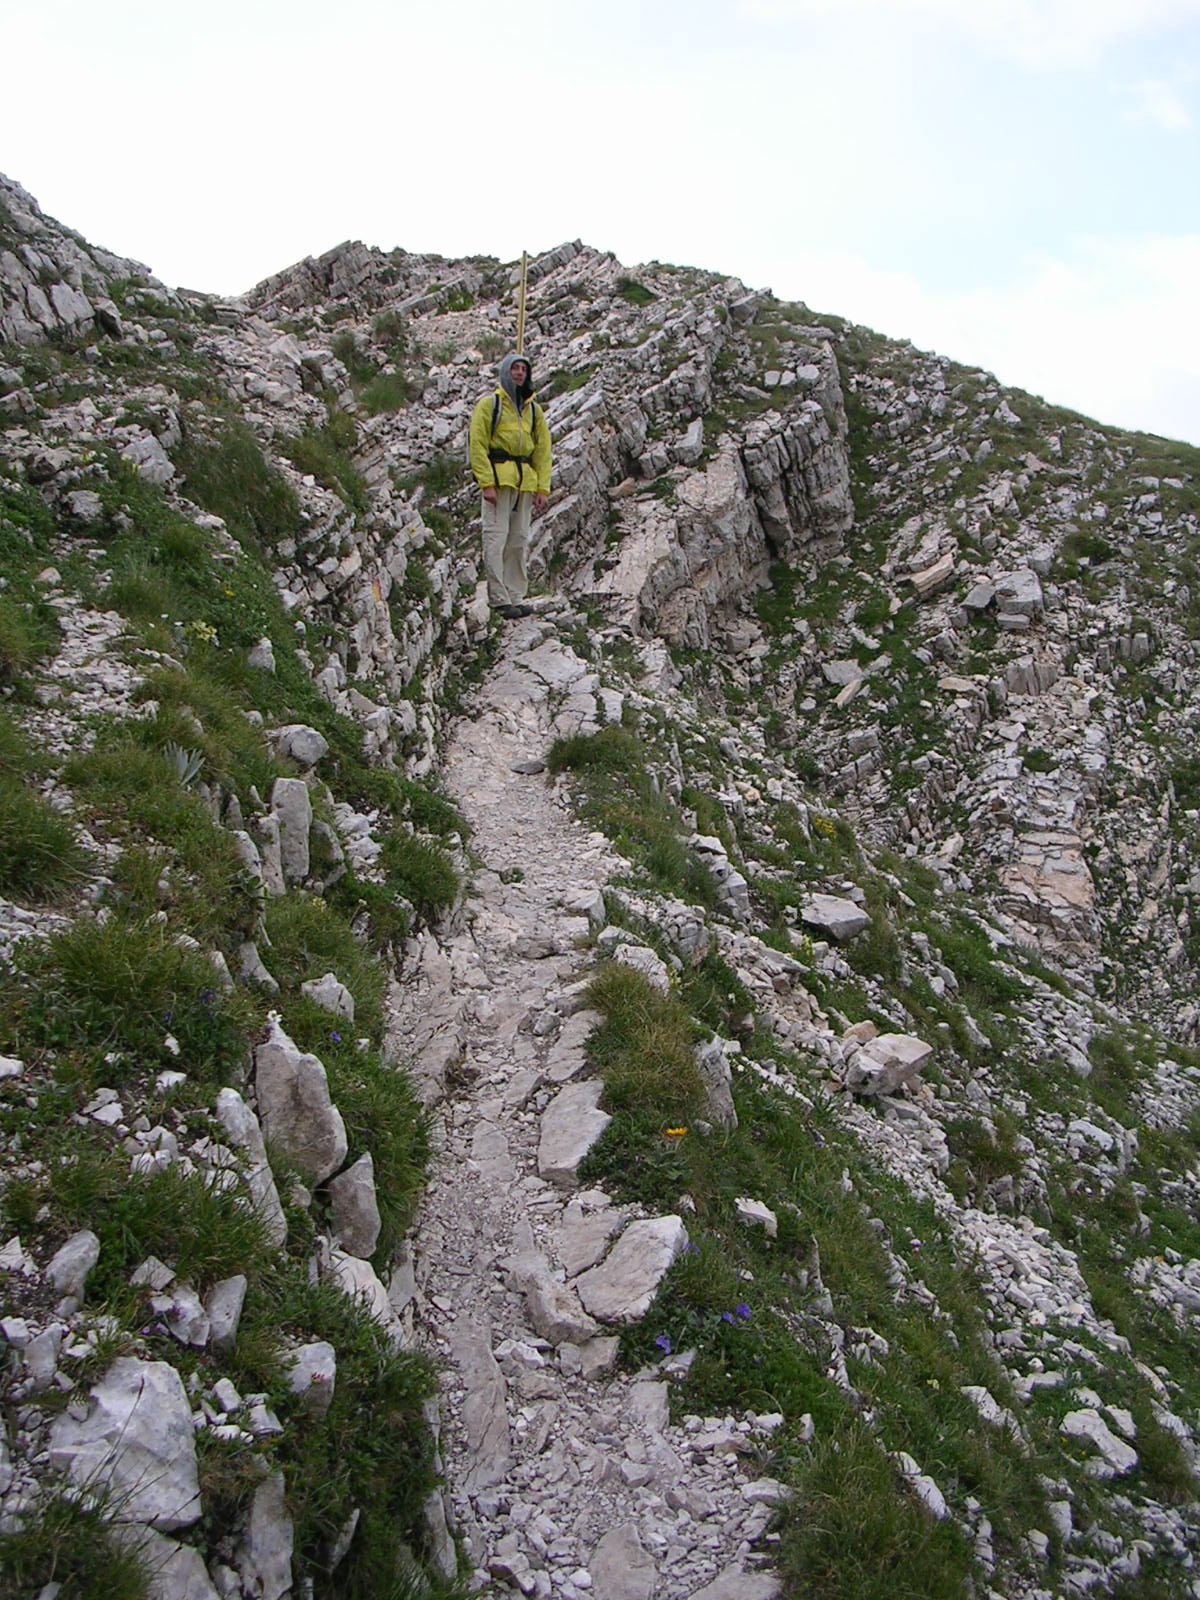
(564, 1478)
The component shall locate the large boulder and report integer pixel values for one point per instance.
(829, 913)
(622, 1288)
(137, 1443)
(885, 1064)
(294, 1106)
(571, 1125)
(356, 1221)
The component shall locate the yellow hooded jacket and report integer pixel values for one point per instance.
(516, 435)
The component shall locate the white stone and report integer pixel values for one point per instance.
(291, 806)
(622, 1288)
(648, 962)
(886, 1063)
(137, 1441)
(224, 1303)
(312, 1373)
(841, 919)
(174, 1571)
(358, 1279)
(265, 1556)
(294, 1106)
(355, 1208)
(262, 656)
(571, 1125)
(243, 1130)
(553, 1307)
(755, 1214)
(330, 995)
(69, 1267)
(620, 1566)
(737, 1584)
(1113, 1457)
(303, 744)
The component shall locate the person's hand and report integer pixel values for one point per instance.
(490, 496)
(540, 502)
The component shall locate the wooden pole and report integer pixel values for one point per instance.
(521, 306)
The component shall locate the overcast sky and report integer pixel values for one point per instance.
(1015, 183)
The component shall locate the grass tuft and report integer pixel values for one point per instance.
(71, 1546)
(422, 872)
(117, 989)
(855, 1534)
(228, 475)
(644, 1047)
(40, 858)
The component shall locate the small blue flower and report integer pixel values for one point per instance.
(664, 1343)
(692, 1249)
(335, 1036)
(743, 1311)
(727, 1316)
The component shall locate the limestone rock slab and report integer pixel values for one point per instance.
(1113, 1458)
(294, 1106)
(243, 1130)
(571, 1125)
(621, 1567)
(713, 1066)
(69, 1266)
(356, 1220)
(648, 962)
(291, 806)
(622, 1288)
(137, 1441)
(265, 1555)
(736, 1584)
(174, 1571)
(485, 1419)
(330, 995)
(840, 918)
(886, 1063)
(554, 1308)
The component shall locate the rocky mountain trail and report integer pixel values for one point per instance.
(563, 1476)
(839, 792)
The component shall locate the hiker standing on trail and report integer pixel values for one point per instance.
(510, 457)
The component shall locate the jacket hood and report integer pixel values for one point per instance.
(517, 396)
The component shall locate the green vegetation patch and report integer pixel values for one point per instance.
(635, 293)
(421, 871)
(108, 995)
(376, 389)
(227, 473)
(856, 1535)
(643, 823)
(748, 1305)
(325, 452)
(176, 859)
(40, 857)
(71, 1545)
(28, 626)
(309, 938)
(337, 1467)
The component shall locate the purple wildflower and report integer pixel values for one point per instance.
(743, 1311)
(664, 1343)
(335, 1036)
(727, 1316)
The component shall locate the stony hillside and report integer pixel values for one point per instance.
(691, 1094)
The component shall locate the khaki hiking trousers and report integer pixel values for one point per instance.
(506, 546)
